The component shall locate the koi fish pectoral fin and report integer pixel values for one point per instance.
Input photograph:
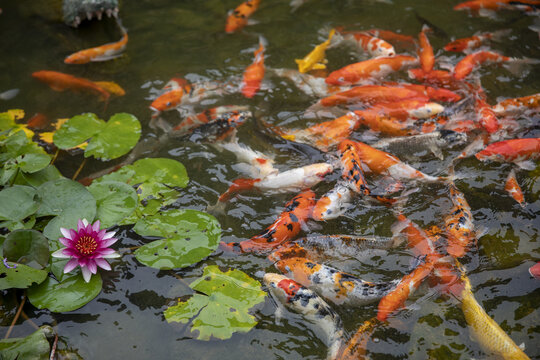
(106, 57)
(526, 164)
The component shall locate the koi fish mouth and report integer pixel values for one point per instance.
(76, 11)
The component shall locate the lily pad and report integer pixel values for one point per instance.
(117, 138)
(115, 201)
(37, 178)
(35, 346)
(77, 130)
(224, 310)
(68, 201)
(70, 294)
(20, 277)
(27, 247)
(190, 236)
(17, 203)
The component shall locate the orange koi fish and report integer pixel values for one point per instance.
(436, 94)
(370, 94)
(254, 73)
(391, 36)
(334, 203)
(352, 167)
(38, 121)
(517, 105)
(238, 18)
(535, 270)
(513, 188)
(356, 347)
(370, 69)
(475, 41)
(471, 61)
(518, 151)
(285, 228)
(172, 98)
(425, 53)
(381, 162)
(206, 116)
(435, 77)
(100, 53)
(459, 224)
(368, 43)
(486, 116)
(409, 108)
(418, 240)
(384, 124)
(59, 82)
(477, 5)
(333, 285)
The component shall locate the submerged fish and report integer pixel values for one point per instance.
(517, 105)
(356, 347)
(254, 73)
(368, 43)
(59, 82)
(459, 224)
(521, 152)
(425, 53)
(513, 188)
(475, 41)
(238, 18)
(334, 203)
(315, 60)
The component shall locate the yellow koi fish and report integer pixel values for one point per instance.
(315, 59)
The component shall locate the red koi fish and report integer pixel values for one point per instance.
(38, 121)
(513, 188)
(518, 151)
(517, 105)
(459, 225)
(535, 270)
(475, 41)
(406, 287)
(477, 5)
(206, 116)
(368, 43)
(425, 53)
(238, 18)
(285, 228)
(470, 62)
(59, 82)
(381, 162)
(435, 77)
(370, 69)
(254, 73)
(100, 53)
(370, 94)
(384, 124)
(178, 88)
(418, 240)
(485, 114)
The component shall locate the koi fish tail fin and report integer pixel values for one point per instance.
(295, 4)
(217, 209)
(499, 35)
(263, 42)
(121, 26)
(520, 67)
(238, 186)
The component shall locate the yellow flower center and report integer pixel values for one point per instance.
(86, 245)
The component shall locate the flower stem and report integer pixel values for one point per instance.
(23, 314)
(79, 169)
(53, 350)
(16, 317)
(55, 156)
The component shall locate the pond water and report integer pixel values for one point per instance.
(186, 38)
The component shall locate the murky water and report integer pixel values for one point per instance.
(186, 38)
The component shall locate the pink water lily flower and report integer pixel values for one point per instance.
(88, 247)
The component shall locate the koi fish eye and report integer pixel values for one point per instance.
(168, 103)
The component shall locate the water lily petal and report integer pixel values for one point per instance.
(112, 256)
(100, 234)
(108, 242)
(83, 261)
(103, 264)
(60, 254)
(109, 235)
(104, 251)
(86, 273)
(91, 265)
(71, 264)
(96, 226)
(65, 241)
(67, 233)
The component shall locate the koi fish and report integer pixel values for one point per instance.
(435, 77)
(418, 240)
(408, 108)
(179, 88)
(332, 284)
(518, 151)
(10, 94)
(254, 73)
(368, 43)
(205, 117)
(535, 270)
(370, 69)
(315, 60)
(59, 82)
(334, 203)
(370, 94)
(471, 61)
(384, 124)
(425, 53)
(396, 298)
(287, 181)
(517, 105)
(392, 37)
(111, 87)
(479, 5)
(352, 167)
(100, 53)
(436, 94)
(294, 296)
(356, 347)
(488, 333)
(486, 116)
(286, 227)
(238, 18)
(513, 188)
(475, 41)
(459, 224)
(220, 128)
(38, 121)
(309, 84)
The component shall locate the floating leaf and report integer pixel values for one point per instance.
(50, 172)
(115, 201)
(17, 203)
(27, 247)
(35, 346)
(69, 201)
(77, 130)
(117, 138)
(190, 236)
(70, 294)
(225, 310)
(20, 277)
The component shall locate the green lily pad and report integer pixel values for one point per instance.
(20, 277)
(31, 163)
(70, 294)
(190, 236)
(37, 178)
(68, 201)
(17, 203)
(35, 346)
(117, 138)
(27, 247)
(115, 201)
(77, 130)
(224, 310)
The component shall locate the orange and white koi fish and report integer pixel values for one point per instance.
(418, 240)
(287, 181)
(334, 203)
(356, 347)
(177, 89)
(315, 60)
(519, 151)
(396, 298)
(204, 117)
(59, 82)
(370, 94)
(409, 108)
(368, 43)
(285, 228)
(238, 18)
(471, 61)
(385, 124)
(333, 285)
(381, 162)
(295, 297)
(425, 53)
(513, 188)
(459, 224)
(475, 41)
(100, 53)
(478, 5)
(370, 69)
(254, 73)
(486, 116)
(517, 105)
(392, 37)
